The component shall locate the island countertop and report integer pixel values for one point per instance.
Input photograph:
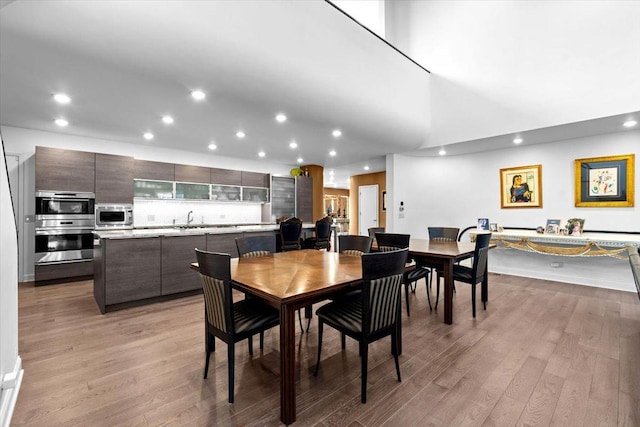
(190, 230)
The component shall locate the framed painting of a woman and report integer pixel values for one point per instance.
(521, 187)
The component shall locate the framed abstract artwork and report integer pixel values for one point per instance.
(604, 181)
(521, 187)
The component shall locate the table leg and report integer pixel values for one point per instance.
(287, 364)
(448, 291)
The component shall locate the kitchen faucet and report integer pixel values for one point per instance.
(189, 217)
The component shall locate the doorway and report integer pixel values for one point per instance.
(367, 208)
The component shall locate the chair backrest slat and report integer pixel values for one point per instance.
(382, 274)
(215, 273)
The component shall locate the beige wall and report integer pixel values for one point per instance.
(379, 178)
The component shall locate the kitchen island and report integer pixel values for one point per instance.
(141, 266)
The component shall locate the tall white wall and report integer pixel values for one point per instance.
(457, 190)
(10, 365)
(22, 142)
(500, 67)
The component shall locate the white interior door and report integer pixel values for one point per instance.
(367, 208)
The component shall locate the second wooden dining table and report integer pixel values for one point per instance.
(443, 255)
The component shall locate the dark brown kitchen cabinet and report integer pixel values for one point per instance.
(254, 179)
(225, 243)
(187, 173)
(178, 252)
(114, 179)
(65, 170)
(131, 269)
(304, 198)
(225, 176)
(145, 169)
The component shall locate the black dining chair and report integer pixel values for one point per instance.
(371, 314)
(322, 238)
(351, 244)
(290, 231)
(252, 246)
(413, 272)
(230, 322)
(475, 274)
(373, 230)
(441, 234)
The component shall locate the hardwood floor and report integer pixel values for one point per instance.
(543, 353)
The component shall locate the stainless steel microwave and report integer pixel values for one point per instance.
(114, 216)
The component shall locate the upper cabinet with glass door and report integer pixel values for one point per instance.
(226, 193)
(254, 194)
(192, 191)
(153, 189)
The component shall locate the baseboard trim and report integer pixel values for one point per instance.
(10, 388)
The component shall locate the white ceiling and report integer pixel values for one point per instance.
(125, 64)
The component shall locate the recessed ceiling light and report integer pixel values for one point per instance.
(332, 153)
(281, 118)
(61, 122)
(366, 168)
(198, 95)
(293, 144)
(212, 146)
(148, 136)
(167, 119)
(517, 140)
(336, 133)
(240, 134)
(62, 98)
(630, 123)
(261, 154)
(442, 152)
(300, 160)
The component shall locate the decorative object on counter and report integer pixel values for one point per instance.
(483, 224)
(296, 172)
(521, 187)
(605, 181)
(575, 226)
(553, 226)
(540, 229)
(493, 227)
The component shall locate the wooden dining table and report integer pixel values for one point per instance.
(443, 255)
(290, 281)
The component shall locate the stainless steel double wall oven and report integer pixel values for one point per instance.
(64, 227)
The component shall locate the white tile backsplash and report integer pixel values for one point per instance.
(149, 213)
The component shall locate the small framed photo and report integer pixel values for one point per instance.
(553, 226)
(493, 226)
(521, 187)
(604, 181)
(575, 226)
(483, 224)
